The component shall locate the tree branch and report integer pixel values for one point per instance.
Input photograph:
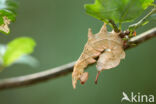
(141, 38)
(62, 70)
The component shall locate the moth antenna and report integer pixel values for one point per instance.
(90, 34)
(97, 76)
(104, 28)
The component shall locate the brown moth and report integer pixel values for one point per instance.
(106, 46)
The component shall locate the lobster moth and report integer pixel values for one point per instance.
(105, 48)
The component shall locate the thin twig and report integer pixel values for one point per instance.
(114, 26)
(36, 77)
(141, 38)
(61, 70)
(142, 21)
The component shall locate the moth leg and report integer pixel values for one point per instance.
(97, 76)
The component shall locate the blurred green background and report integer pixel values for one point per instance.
(60, 29)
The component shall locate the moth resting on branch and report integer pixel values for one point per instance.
(106, 46)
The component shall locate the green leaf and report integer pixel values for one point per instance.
(146, 3)
(117, 10)
(143, 21)
(153, 17)
(2, 51)
(17, 48)
(27, 60)
(7, 14)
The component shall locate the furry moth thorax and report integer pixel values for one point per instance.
(106, 46)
